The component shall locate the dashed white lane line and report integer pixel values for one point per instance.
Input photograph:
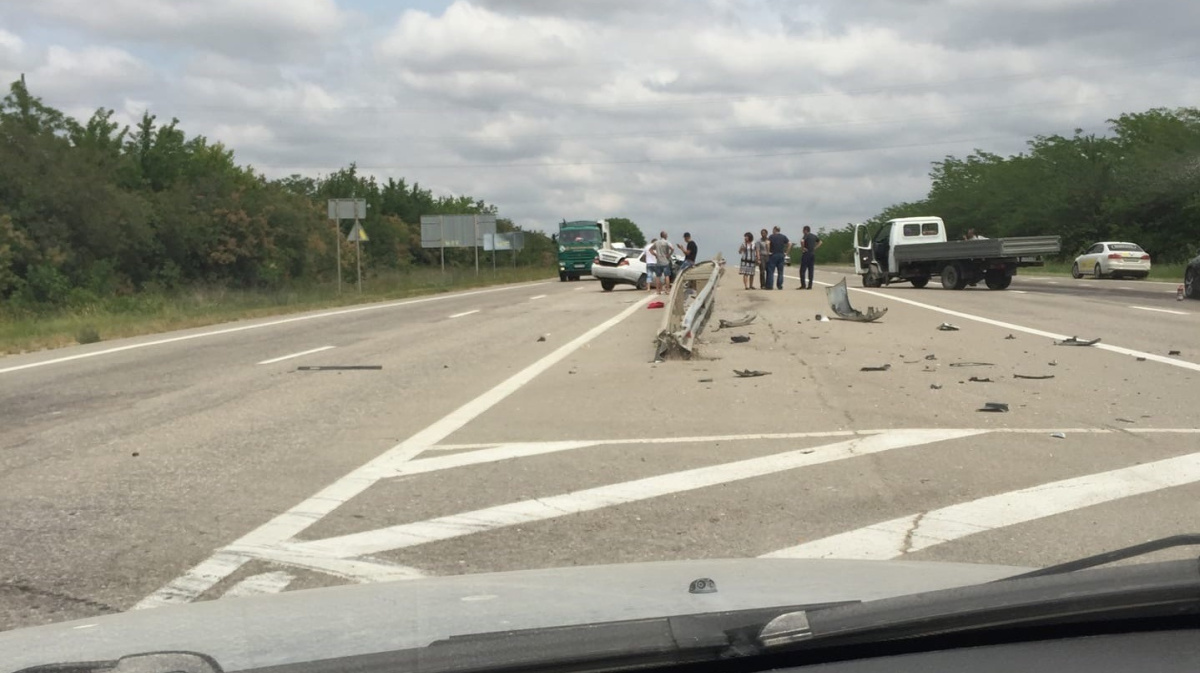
(1160, 310)
(261, 325)
(907, 534)
(540, 509)
(1182, 364)
(540, 296)
(260, 585)
(271, 535)
(296, 355)
(580, 289)
(465, 314)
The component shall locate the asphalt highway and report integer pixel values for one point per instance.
(528, 426)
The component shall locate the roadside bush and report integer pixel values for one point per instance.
(88, 334)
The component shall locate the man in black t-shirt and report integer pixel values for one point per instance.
(689, 249)
(808, 256)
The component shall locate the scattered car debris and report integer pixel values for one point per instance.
(330, 368)
(976, 379)
(808, 451)
(947, 327)
(1010, 338)
(655, 304)
(1058, 435)
(1032, 377)
(931, 356)
(739, 339)
(821, 318)
(1141, 359)
(706, 381)
(999, 407)
(1053, 363)
(972, 364)
(1174, 353)
(541, 338)
(935, 386)
(1124, 420)
(750, 373)
(882, 368)
(839, 303)
(740, 322)
(1076, 341)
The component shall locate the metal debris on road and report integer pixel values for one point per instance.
(1174, 353)
(931, 356)
(541, 338)
(1058, 435)
(1141, 359)
(1076, 341)
(999, 407)
(1040, 377)
(750, 373)
(1124, 420)
(839, 303)
(1010, 338)
(705, 381)
(976, 379)
(972, 364)
(1053, 363)
(947, 327)
(740, 322)
(821, 318)
(882, 368)
(739, 339)
(935, 386)
(328, 368)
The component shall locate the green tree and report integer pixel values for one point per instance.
(624, 229)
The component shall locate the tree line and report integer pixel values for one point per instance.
(1138, 182)
(89, 209)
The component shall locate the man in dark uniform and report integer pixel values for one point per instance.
(780, 247)
(808, 257)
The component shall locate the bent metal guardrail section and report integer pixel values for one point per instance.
(689, 307)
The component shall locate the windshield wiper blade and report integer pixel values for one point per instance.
(1169, 588)
(1189, 540)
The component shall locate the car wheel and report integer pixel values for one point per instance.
(952, 278)
(1190, 280)
(1075, 272)
(998, 281)
(641, 283)
(562, 276)
(1096, 272)
(919, 282)
(607, 285)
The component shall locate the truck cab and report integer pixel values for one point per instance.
(578, 242)
(915, 249)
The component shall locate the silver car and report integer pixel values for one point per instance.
(1112, 259)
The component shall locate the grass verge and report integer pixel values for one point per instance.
(1166, 273)
(151, 313)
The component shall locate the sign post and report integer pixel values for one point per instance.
(359, 236)
(345, 209)
(475, 220)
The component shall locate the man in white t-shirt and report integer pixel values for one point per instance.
(651, 263)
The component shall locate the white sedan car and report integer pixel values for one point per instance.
(1112, 259)
(620, 266)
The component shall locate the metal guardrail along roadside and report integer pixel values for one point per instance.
(689, 308)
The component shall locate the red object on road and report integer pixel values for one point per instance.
(655, 304)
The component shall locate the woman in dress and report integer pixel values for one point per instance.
(749, 263)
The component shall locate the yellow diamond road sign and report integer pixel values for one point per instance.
(358, 234)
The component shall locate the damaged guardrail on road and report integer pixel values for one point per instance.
(689, 308)
(839, 303)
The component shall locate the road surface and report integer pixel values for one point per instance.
(527, 426)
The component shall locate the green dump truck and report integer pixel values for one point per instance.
(578, 242)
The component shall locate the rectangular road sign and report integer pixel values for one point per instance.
(455, 231)
(511, 241)
(347, 209)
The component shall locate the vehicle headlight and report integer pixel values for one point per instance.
(562, 248)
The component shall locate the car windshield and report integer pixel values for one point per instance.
(329, 310)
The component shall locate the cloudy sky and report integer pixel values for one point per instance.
(716, 116)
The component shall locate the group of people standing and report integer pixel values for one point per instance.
(767, 256)
(659, 253)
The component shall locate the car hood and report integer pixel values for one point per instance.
(317, 624)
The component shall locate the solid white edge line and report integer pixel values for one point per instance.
(1160, 310)
(209, 572)
(260, 585)
(897, 537)
(540, 509)
(1153, 357)
(465, 314)
(272, 323)
(540, 296)
(296, 355)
